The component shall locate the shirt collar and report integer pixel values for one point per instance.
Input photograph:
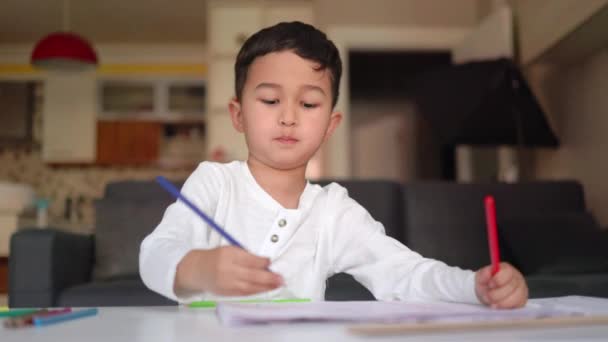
(305, 198)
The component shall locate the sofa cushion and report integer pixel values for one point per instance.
(558, 243)
(120, 227)
(446, 220)
(343, 287)
(546, 285)
(558, 285)
(136, 190)
(448, 202)
(127, 291)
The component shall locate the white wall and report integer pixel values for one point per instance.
(576, 99)
(543, 23)
(386, 24)
(383, 140)
(413, 13)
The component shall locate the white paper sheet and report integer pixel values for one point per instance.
(586, 305)
(384, 312)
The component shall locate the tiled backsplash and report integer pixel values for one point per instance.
(56, 183)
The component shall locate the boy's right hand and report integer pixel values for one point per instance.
(226, 271)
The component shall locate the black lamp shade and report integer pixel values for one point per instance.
(483, 103)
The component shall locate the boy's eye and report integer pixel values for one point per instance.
(309, 105)
(269, 102)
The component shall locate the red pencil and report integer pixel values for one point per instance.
(492, 233)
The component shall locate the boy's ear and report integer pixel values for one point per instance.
(334, 121)
(235, 114)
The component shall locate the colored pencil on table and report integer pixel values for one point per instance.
(17, 312)
(41, 321)
(27, 320)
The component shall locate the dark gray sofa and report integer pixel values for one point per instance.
(544, 229)
(440, 220)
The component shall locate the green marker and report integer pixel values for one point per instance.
(17, 312)
(212, 304)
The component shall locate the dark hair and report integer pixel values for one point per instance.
(304, 40)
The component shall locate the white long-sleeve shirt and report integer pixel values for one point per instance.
(328, 233)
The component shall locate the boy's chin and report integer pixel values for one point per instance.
(284, 160)
(287, 164)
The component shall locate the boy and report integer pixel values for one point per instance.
(286, 87)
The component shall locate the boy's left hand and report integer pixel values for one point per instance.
(507, 289)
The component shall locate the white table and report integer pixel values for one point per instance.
(181, 324)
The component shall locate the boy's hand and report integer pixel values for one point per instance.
(227, 271)
(507, 289)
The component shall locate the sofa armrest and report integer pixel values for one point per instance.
(44, 262)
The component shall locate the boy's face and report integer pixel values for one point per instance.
(285, 110)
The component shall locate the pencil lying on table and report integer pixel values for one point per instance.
(28, 319)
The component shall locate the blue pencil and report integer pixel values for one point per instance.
(175, 192)
(42, 320)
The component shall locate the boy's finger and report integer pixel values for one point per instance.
(503, 277)
(516, 299)
(244, 288)
(500, 293)
(260, 277)
(484, 275)
(248, 260)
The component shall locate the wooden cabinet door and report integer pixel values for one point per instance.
(128, 142)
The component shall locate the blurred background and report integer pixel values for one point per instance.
(152, 97)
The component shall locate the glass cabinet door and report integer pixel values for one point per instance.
(187, 99)
(125, 98)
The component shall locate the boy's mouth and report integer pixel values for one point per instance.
(285, 139)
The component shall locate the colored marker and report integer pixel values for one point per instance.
(42, 321)
(212, 304)
(175, 192)
(21, 321)
(490, 206)
(17, 312)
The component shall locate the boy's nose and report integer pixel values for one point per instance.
(287, 122)
(288, 118)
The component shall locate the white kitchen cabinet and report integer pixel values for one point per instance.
(164, 99)
(69, 114)
(221, 89)
(230, 25)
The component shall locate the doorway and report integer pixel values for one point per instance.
(389, 138)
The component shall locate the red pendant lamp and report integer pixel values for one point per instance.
(64, 50)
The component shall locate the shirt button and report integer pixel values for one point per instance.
(282, 223)
(274, 238)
